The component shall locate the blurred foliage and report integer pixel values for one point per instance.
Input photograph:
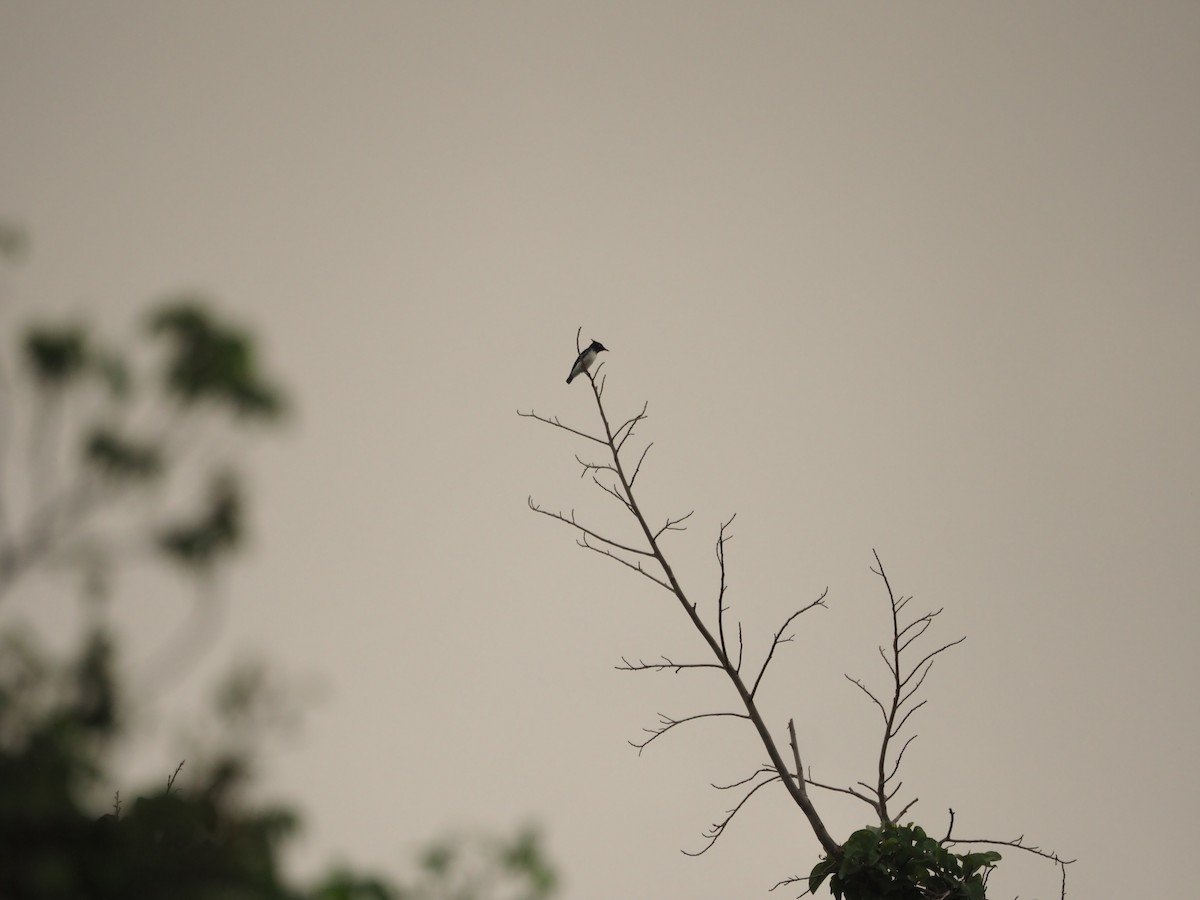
(121, 457)
(55, 355)
(130, 417)
(211, 361)
(216, 529)
(190, 837)
(457, 868)
(102, 431)
(66, 833)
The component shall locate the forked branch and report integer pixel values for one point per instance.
(622, 488)
(1017, 843)
(896, 706)
(906, 680)
(713, 833)
(666, 723)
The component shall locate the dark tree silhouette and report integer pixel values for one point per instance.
(113, 456)
(888, 860)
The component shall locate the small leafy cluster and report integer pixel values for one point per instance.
(56, 355)
(199, 833)
(213, 362)
(901, 862)
(111, 444)
(62, 728)
(120, 457)
(206, 364)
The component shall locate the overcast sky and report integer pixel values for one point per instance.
(920, 278)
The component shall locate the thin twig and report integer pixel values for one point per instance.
(722, 537)
(570, 520)
(780, 639)
(862, 687)
(666, 723)
(638, 467)
(905, 684)
(714, 831)
(793, 880)
(615, 441)
(762, 770)
(673, 525)
(637, 567)
(174, 775)
(841, 790)
(1018, 844)
(643, 666)
(532, 414)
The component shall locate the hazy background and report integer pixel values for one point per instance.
(922, 278)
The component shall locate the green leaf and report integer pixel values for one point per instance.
(55, 355)
(820, 872)
(120, 457)
(901, 862)
(213, 361)
(218, 530)
(972, 862)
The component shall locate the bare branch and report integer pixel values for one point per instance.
(643, 666)
(638, 467)
(673, 525)
(793, 880)
(894, 715)
(862, 687)
(796, 752)
(721, 539)
(887, 662)
(899, 756)
(608, 489)
(906, 808)
(714, 832)
(174, 775)
(930, 656)
(627, 426)
(557, 424)
(637, 567)
(841, 790)
(764, 770)
(666, 723)
(916, 687)
(923, 623)
(949, 829)
(570, 520)
(615, 439)
(590, 466)
(780, 639)
(1018, 843)
(896, 730)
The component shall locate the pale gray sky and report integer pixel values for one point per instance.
(922, 278)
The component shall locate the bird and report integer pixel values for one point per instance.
(585, 360)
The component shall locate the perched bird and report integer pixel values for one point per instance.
(585, 360)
